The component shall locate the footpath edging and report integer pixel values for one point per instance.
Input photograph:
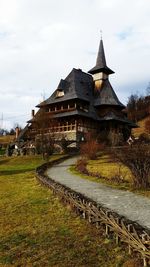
(135, 236)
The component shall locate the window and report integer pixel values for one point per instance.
(59, 93)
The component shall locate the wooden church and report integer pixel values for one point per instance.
(82, 103)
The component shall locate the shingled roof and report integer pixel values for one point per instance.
(111, 116)
(107, 96)
(101, 65)
(77, 84)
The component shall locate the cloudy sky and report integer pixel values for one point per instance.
(42, 40)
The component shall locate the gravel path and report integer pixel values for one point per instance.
(132, 206)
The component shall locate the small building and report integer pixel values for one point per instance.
(83, 103)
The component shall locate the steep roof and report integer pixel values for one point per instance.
(101, 65)
(77, 84)
(106, 96)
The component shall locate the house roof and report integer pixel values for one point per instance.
(101, 65)
(23, 132)
(106, 96)
(77, 84)
(77, 112)
(111, 116)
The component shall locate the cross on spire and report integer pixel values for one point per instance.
(101, 34)
(101, 65)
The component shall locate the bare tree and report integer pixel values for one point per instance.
(138, 107)
(90, 147)
(148, 90)
(44, 125)
(132, 106)
(137, 159)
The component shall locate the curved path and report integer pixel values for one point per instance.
(132, 206)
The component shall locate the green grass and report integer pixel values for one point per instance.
(2, 151)
(37, 230)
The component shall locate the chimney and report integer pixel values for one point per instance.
(32, 113)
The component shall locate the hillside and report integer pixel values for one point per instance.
(6, 139)
(137, 131)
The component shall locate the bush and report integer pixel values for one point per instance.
(81, 166)
(137, 159)
(144, 138)
(90, 148)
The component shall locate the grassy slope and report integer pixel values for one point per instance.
(37, 230)
(4, 141)
(7, 139)
(108, 168)
(137, 131)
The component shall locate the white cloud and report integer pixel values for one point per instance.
(42, 40)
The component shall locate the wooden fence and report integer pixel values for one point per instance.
(135, 236)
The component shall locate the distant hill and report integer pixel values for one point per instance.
(137, 131)
(138, 108)
(5, 139)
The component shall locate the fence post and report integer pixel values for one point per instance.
(129, 247)
(107, 227)
(117, 236)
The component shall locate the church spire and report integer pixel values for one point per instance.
(101, 62)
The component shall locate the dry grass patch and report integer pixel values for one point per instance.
(141, 129)
(108, 168)
(114, 174)
(7, 139)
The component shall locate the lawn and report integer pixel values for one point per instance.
(37, 230)
(109, 169)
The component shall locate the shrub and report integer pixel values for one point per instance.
(144, 138)
(90, 148)
(137, 159)
(81, 166)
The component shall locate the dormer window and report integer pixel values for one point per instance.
(59, 93)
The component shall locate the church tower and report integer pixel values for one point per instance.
(83, 103)
(100, 72)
